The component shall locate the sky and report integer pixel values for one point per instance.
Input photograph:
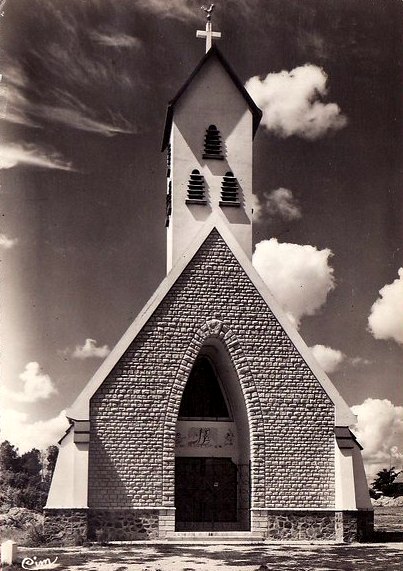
(83, 96)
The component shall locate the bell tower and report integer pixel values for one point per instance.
(208, 137)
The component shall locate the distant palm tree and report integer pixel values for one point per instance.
(384, 481)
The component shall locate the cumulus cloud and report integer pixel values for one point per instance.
(292, 103)
(15, 154)
(379, 430)
(329, 359)
(385, 320)
(280, 202)
(15, 427)
(299, 277)
(36, 385)
(6, 242)
(90, 350)
(115, 40)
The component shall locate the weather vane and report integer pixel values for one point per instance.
(208, 33)
(208, 11)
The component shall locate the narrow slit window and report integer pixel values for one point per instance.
(212, 144)
(196, 188)
(229, 190)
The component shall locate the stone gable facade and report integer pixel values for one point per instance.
(133, 414)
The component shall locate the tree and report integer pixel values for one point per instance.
(9, 467)
(51, 456)
(9, 458)
(25, 480)
(383, 482)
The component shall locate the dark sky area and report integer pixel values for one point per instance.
(84, 93)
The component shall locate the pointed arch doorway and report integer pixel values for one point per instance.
(212, 453)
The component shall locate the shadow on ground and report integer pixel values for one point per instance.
(366, 557)
(381, 536)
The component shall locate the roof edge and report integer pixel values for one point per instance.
(213, 51)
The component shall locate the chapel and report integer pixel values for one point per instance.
(210, 417)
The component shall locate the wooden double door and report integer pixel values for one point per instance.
(205, 493)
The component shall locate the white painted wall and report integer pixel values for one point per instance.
(351, 483)
(361, 485)
(69, 488)
(344, 479)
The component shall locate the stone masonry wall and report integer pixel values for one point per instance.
(133, 413)
(301, 526)
(122, 525)
(67, 526)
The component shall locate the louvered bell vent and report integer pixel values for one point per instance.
(196, 188)
(212, 144)
(229, 190)
(169, 160)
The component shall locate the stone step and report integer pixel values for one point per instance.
(215, 536)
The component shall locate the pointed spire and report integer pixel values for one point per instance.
(208, 33)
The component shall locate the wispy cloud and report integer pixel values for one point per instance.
(76, 83)
(299, 277)
(277, 203)
(66, 109)
(188, 10)
(79, 117)
(6, 242)
(359, 362)
(12, 100)
(15, 154)
(116, 40)
(292, 103)
(36, 385)
(178, 9)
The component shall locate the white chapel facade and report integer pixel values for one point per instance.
(210, 414)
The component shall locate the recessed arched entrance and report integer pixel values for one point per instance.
(212, 453)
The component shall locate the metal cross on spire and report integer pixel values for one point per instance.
(208, 33)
